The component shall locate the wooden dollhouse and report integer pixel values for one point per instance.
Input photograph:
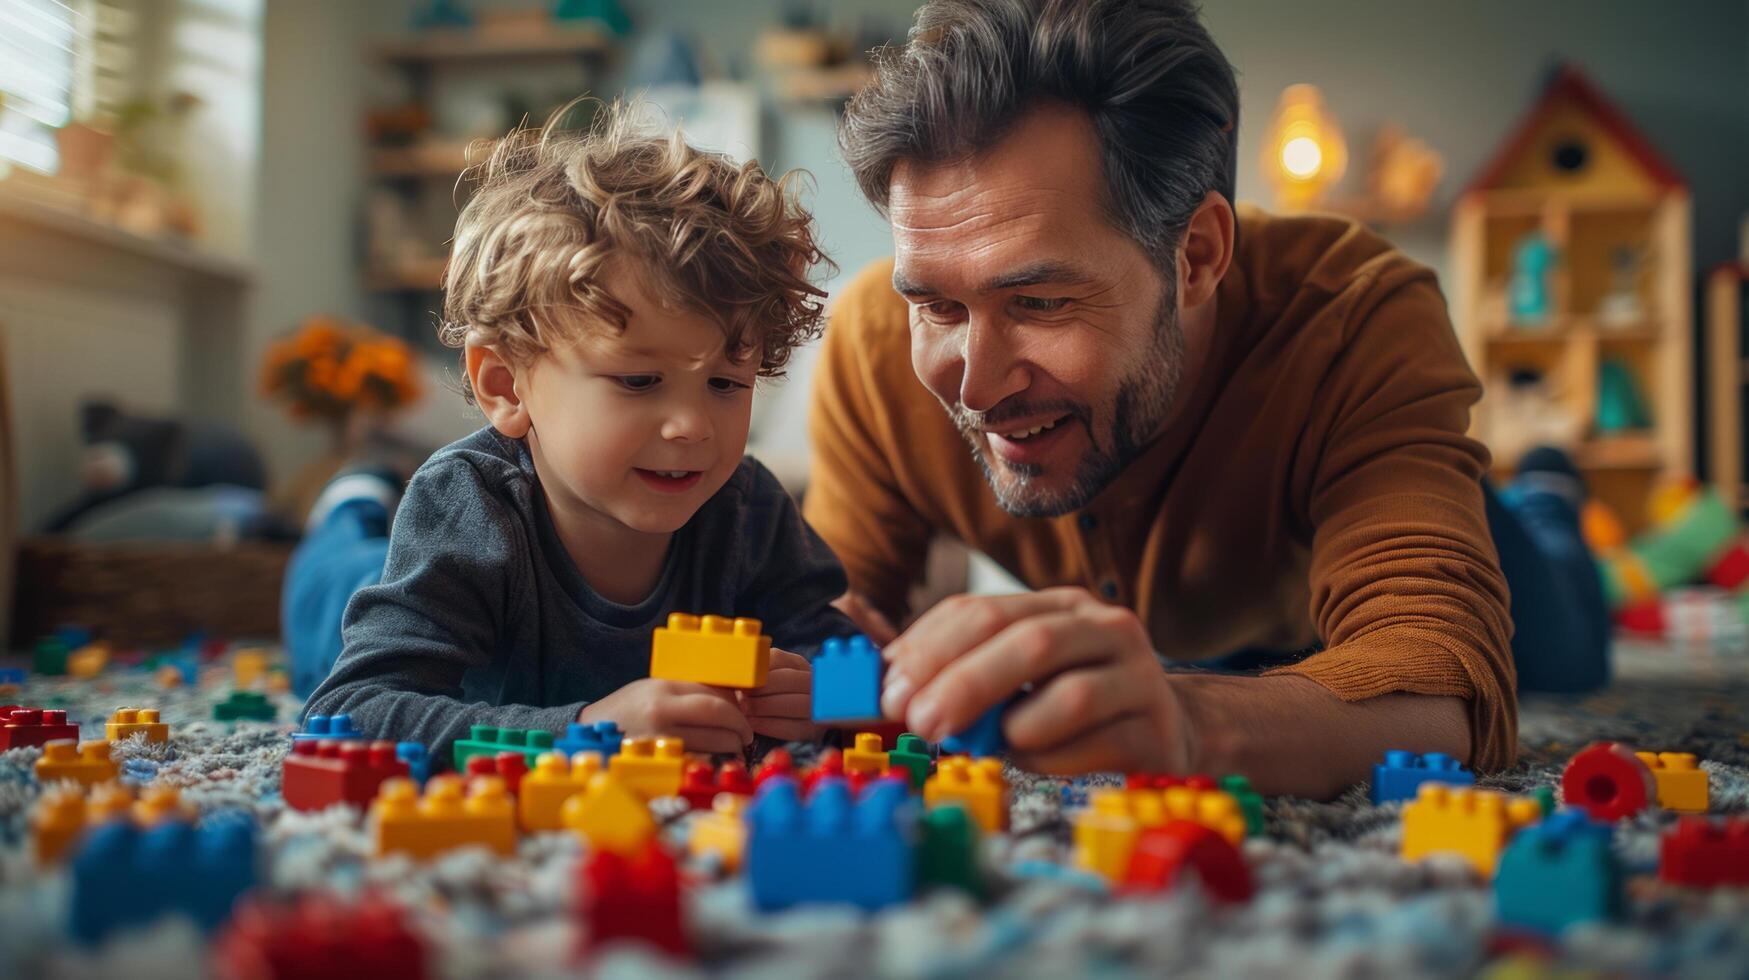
(1570, 293)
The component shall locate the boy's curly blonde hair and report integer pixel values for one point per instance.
(724, 240)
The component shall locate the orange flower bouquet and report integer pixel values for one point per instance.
(332, 371)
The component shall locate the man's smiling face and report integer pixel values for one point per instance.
(1049, 335)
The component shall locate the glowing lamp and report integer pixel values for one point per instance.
(1303, 151)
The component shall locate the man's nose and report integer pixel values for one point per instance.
(991, 371)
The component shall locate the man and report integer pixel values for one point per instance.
(1196, 430)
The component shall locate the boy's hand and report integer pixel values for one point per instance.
(783, 708)
(707, 718)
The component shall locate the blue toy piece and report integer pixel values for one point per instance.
(847, 681)
(1531, 300)
(603, 737)
(337, 728)
(831, 849)
(418, 760)
(1400, 776)
(125, 876)
(12, 676)
(983, 738)
(1557, 873)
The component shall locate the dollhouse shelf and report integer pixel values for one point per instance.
(1727, 299)
(477, 46)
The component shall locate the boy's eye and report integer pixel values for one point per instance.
(636, 382)
(1040, 304)
(728, 385)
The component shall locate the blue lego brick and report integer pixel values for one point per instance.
(418, 760)
(1557, 873)
(847, 680)
(983, 738)
(337, 728)
(12, 675)
(831, 849)
(1400, 776)
(125, 876)
(603, 737)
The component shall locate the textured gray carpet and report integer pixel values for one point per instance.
(1333, 901)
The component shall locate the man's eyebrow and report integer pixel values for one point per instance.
(906, 286)
(1031, 275)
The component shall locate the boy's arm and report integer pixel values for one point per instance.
(456, 557)
(793, 577)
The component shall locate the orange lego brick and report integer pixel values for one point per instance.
(721, 831)
(1474, 824)
(86, 763)
(88, 661)
(249, 668)
(711, 650)
(55, 823)
(126, 721)
(1682, 783)
(444, 819)
(554, 780)
(157, 804)
(1156, 802)
(869, 755)
(609, 815)
(977, 785)
(1105, 834)
(649, 767)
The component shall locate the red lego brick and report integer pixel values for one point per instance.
(512, 766)
(777, 763)
(831, 766)
(699, 785)
(1144, 780)
(1608, 781)
(1703, 853)
(20, 727)
(319, 939)
(1163, 855)
(635, 897)
(318, 775)
(1731, 569)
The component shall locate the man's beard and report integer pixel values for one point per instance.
(1141, 404)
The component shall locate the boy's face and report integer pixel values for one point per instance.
(639, 427)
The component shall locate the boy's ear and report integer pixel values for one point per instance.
(494, 384)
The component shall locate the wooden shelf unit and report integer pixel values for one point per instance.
(1727, 303)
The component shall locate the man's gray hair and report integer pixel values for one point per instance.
(1159, 92)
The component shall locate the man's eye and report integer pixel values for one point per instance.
(942, 309)
(728, 385)
(1040, 304)
(636, 382)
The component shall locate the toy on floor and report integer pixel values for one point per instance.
(320, 937)
(508, 766)
(11, 681)
(649, 767)
(721, 832)
(711, 650)
(1250, 802)
(1106, 830)
(914, 756)
(1682, 784)
(978, 786)
(125, 723)
(85, 763)
(324, 728)
(63, 812)
(1702, 853)
(489, 741)
(1474, 824)
(1695, 535)
(1557, 873)
(1608, 782)
(1401, 775)
(631, 897)
(700, 785)
(608, 816)
(1163, 856)
(88, 661)
(125, 875)
(418, 760)
(245, 705)
(319, 774)
(866, 755)
(948, 851)
(21, 727)
(444, 819)
(554, 779)
(603, 737)
(832, 848)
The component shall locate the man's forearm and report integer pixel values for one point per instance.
(1290, 735)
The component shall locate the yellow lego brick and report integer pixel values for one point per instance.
(867, 756)
(249, 668)
(649, 767)
(168, 677)
(975, 784)
(113, 801)
(1682, 783)
(55, 823)
(545, 789)
(609, 816)
(88, 660)
(1105, 834)
(157, 804)
(1474, 824)
(86, 763)
(711, 650)
(444, 819)
(1218, 810)
(722, 831)
(127, 721)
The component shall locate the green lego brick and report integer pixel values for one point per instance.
(252, 705)
(912, 753)
(1545, 798)
(50, 657)
(948, 855)
(489, 741)
(1250, 803)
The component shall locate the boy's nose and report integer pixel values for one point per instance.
(687, 424)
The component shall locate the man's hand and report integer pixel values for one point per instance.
(707, 718)
(1099, 699)
(783, 708)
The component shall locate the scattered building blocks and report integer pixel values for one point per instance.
(22, 727)
(983, 738)
(711, 650)
(830, 765)
(508, 766)
(947, 854)
(776, 763)
(847, 681)
(649, 767)
(603, 738)
(1195, 799)
(553, 780)
(1608, 782)
(124, 723)
(85, 763)
(444, 819)
(245, 705)
(608, 816)
(318, 775)
(168, 676)
(976, 785)
(1163, 856)
(722, 832)
(278, 681)
(831, 848)
(417, 758)
(1703, 853)
(319, 728)
(1400, 776)
(11, 681)
(489, 741)
(866, 755)
(128, 876)
(249, 669)
(1105, 833)
(1681, 782)
(88, 661)
(912, 754)
(1474, 824)
(158, 804)
(1249, 800)
(631, 897)
(55, 823)
(700, 786)
(318, 938)
(50, 657)
(1558, 872)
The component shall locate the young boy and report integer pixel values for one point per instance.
(616, 297)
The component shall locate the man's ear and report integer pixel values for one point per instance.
(494, 383)
(1208, 249)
